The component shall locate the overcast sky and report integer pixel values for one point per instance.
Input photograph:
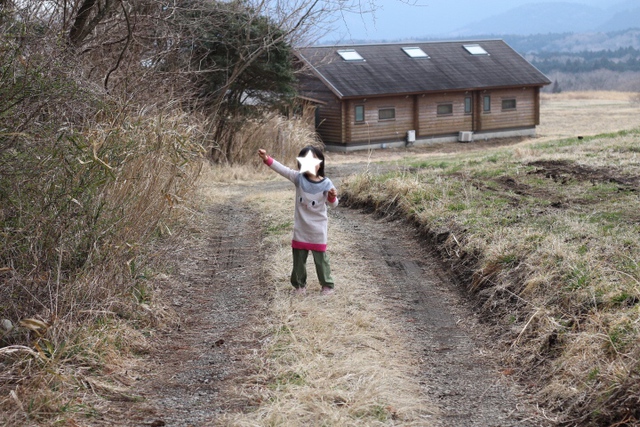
(398, 19)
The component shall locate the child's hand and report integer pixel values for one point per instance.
(333, 193)
(263, 154)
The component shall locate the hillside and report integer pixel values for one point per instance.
(572, 42)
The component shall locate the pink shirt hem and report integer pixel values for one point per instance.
(318, 247)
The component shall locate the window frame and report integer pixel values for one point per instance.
(415, 52)
(509, 108)
(486, 103)
(355, 114)
(448, 105)
(387, 119)
(475, 49)
(468, 105)
(350, 55)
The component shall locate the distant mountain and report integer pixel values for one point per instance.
(629, 18)
(556, 17)
(622, 6)
(566, 42)
(590, 42)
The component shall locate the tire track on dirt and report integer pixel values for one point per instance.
(216, 290)
(461, 372)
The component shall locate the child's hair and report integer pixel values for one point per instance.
(318, 154)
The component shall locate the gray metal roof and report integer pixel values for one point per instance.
(387, 69)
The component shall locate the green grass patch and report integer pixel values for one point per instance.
(279, 228)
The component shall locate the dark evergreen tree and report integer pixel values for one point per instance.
(240, 62)
(236, 53)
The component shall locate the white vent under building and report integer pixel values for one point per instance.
(465, 136)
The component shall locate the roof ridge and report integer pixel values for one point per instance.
(404, 43)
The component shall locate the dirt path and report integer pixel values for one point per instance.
(217, 293)
(460, 370)
(194, 374)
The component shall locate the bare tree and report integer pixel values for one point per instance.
(90, 14)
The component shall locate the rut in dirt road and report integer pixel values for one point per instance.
(460, 370)
(217, 293)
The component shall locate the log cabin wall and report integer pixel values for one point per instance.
(503, 115)
(337, 125)
(433, 123)
(375, 129)
(329, 124)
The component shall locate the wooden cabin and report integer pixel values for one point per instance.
(386, 95)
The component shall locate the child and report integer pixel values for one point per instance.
(313, 192)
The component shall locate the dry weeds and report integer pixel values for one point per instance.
(77, 289)
(281, 137)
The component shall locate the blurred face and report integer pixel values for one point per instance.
(309, 163)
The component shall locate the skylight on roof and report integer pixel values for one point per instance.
(350, 55)
(475, 49)
(415, 52)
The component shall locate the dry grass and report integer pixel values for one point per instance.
(575, 114)
(282, 137)
(545, 235)
(328, 361)
(77, 286)
(589, 96)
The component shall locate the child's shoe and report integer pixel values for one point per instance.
(301, 291)
(326, 291)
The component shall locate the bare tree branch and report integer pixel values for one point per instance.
(124, 49)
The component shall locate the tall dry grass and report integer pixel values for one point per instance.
(282, 137)
(78, 209)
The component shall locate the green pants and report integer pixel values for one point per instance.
(299, 272)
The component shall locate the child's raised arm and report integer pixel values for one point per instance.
(288, 173)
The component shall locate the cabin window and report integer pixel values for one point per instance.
(386, 114)
(486, 102)
(475, 49)
(445, 109)
(508, 104)
(350, 55)
(415, 52)
(468, 105)
(359, 114)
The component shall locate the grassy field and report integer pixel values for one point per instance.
(545, 236)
